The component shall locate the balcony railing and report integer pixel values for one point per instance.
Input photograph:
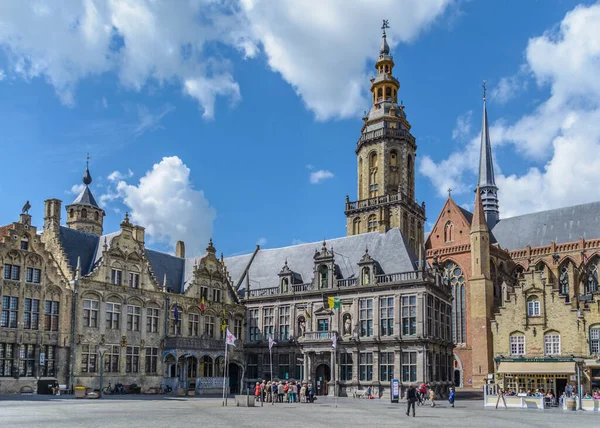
(257, 292)
(296, 288)
(382, 200)
(319, 335)
(384, 132)
(398, 277)
(349, 282)
(193, 343)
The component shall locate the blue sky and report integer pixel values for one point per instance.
(223, 110)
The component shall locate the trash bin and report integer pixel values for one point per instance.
(571, 403)
(80, 391)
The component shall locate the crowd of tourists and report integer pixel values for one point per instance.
(284, 392)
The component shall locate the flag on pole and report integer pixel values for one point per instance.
(224, 320)
(230, 338)
(271, 343)
(334, 341)
(333, 302)
(305, 310)
(202, 307)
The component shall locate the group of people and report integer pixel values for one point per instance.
(418, 395)
(284, 392)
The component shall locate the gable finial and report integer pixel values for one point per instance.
(449, 192)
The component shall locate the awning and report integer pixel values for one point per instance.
(550, 367)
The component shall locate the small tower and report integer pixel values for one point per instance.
(386, 153)
(481, 295)
(84, 214)
(487, 183)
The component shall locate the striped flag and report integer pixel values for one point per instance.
(333, 302)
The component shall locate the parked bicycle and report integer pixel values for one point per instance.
(165, 389)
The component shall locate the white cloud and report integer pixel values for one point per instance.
(320, 175)
(560, 138)
(262, 241)
(462, 129)
(510, 87)
(149, 121)
(104, 102)
(319, 47)
(2, 75)
(116, 176)
(165, 202)
(76, 189)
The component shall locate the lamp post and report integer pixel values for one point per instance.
(578, 361)
(101, 350)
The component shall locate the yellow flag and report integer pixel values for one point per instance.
(330, 302)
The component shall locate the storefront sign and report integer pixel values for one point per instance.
(42, 358)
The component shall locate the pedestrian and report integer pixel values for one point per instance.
(501, 396)
(303, 393)
(311, 393)
(280, 391)
(432, 397)
(411, 398)
(451, 397)
(257, 391)
(274, 391)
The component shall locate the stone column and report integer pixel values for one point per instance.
(305, 365)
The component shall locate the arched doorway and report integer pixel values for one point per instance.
(457, 378)
(458, 371)
(323, 376)
(234, 378)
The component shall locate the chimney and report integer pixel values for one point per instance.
(139, 234)
(52, 214)
(180, 249)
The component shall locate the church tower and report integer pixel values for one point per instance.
(487, 182)
(386, 153)
(84, 214)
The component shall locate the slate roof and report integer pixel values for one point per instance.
(86, 198)
(390, 250)
(541, 228)
(468, 214)
(172, 266)
(79, 244)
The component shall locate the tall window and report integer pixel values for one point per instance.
(410, 175)
(252, 366)
(88, 358)
(366, 275)
(409, 367)
(449, 232)
(111, 359)
(386, 366)
(323, 276)
(27, 360)
(152, 315)
(284, 322)
(595, 340)
(372, 223)
(31, 319)
(563, 279)
(517, 344)
(356, 226)
(237, 328)
(33, 275)
(90, 313)
(12, 272)
(437, 317)
(454, 277)
(365, 366)
(175, 324)
(429, 315)
(51, 310)
(216, 295)
(409, 315)
(134, 314)
(83, 213)
(366, 317)
(253, 325)
(134, 279)
(284, 366)
(48, 368)
(132, 359)
(113, 313)
(116, 276)
(151, 360)
(592, 283)
(285, 282)
(552, 344)
(533, 307)
(386, 316)
(193, 324)
(346, 366)
(6, 359)
(268, 322)
(373, 186)
(10, 312)
(209, 326)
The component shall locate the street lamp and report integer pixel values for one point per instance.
(578, 361)
(101, 350)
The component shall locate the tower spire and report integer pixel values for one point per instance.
(487, 183)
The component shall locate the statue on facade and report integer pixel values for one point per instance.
(347, 325)
(301, 326)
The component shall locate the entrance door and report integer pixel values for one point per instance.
(323, 377)
(456, 377)
(234, 378)
(560, 386)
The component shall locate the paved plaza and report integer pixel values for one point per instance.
(161, 411)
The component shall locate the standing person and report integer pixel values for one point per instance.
(501, 396)
(303, 393)
(274, 391)
(280, 391)
(311, 393)
(451, 397)
(432, 397)
(411, 398)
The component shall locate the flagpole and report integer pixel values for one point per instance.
(271, 361)
(335, 373)
(224, 370)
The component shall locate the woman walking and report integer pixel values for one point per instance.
(451, 397)
(432, 397)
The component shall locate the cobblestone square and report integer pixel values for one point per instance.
(160, 411)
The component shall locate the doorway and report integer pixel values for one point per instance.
(234, 378)
(561, 384)
(456, 377)
(323, 376)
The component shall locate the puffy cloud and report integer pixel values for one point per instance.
(117, 176)
(560, 138)
(76, 189)
(317, 176)
(319, 48)
(165, 202)
(462, 129)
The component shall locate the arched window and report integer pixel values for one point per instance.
(366, 275)
(388, 91)
(449, 232)
(563, 280)
(592, 283)
(372, 223)
(96, 215)
(517, 344)
(453, 276)
(518, 272)
(405, 224)
(533, 306)
(394, 158)
(71, 212)
(552, 343)
(495, 283)
(206, 366)
(83, 213)
(219, 367)
(323, 276)
(360, 178)
(373, 185)
(356, 226)
(379, 94)
(387, 68)
(409, 173)
(284, 285)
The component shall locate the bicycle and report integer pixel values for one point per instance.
(165, 389)
(109, 390)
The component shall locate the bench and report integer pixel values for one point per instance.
(62, 389)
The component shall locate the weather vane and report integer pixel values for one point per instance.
(386, 24)
(484, 89)
(87, 160)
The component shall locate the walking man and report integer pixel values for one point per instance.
(501, 395)
(411, 398)
(432, 396)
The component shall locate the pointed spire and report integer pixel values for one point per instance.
(478, 223)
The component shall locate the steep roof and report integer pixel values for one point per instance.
(76, 244)
(389, 249)
(166, 264)
(541, 228)
(86, 198)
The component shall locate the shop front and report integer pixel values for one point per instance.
(537, 374)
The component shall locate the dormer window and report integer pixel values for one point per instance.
(323, 276)
(284, 285)
(116, 276)
(24, 245)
